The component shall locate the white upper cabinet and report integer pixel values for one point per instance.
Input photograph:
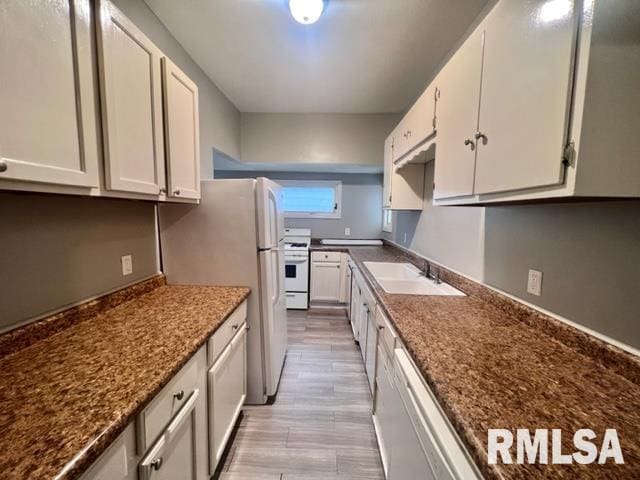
(182, 132)
(418, 124)
(526, 87)
(403, 188)
(539, 102)
(131, 105)
(459, 86)
(48, 123)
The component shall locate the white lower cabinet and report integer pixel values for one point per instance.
(227, 392)
(370, 345)
(119, 462)
(183, 431)
(326, 276)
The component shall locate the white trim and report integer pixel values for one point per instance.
(566, 321)
(335, 184)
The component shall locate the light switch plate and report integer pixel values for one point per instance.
(127, 265)
(534, 284)
(347, 231)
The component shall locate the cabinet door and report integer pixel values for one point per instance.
(388, 172)
(384, 420)
(344, 278)
(355, 305)
(421, 117)
(459, 87)
(48, 120)
(131, 105)
(174, 455)
(371, 348)
(348, 288)
(325, 281)
(182, 132)
(526, 86)
(118, 462)
(227, 392)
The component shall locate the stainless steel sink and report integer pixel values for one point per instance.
(406, 279)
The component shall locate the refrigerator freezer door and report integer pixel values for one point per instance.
(270, 214)
(274, 314)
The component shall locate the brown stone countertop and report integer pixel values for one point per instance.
(65, 398)
(495, 363)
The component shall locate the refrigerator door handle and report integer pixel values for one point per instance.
(276, 272)
(274, 223)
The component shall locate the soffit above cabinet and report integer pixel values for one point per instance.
(362, 56)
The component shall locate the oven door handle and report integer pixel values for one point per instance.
(295, 260)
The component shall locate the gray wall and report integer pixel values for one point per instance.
(219, 118)
(354, 139)
(58, 250)
(589, 254)
(361, 200)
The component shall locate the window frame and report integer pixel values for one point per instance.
(335, 184)
(387, 226)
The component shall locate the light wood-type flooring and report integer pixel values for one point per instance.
(320, 426)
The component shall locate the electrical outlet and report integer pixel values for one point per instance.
(347, 231)
(127, 265)
(534, 284)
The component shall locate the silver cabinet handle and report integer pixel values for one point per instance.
(163, 190)
(482, 136)
(380, 327)
(176, 192)
(156, 464)
(179, 395)
(235, 327)
(470, 143)
(3, 166)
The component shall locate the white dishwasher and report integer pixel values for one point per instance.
(423, 443)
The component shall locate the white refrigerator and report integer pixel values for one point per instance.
(235, 237)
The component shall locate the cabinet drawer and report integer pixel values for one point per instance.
(166, 404)
(387, 334)
(173, 455)
(325, 256)
(221, 338)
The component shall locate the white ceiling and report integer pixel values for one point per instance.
(362, 56)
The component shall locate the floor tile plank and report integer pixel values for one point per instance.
(320, 425)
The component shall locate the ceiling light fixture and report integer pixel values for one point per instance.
(306, 11)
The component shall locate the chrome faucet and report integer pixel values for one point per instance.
(430, 272)
(435, 275)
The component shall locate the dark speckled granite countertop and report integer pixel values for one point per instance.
(495, 363)
(64, 398)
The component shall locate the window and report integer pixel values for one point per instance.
(317, 199)
(387, 220)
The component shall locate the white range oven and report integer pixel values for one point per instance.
(296, 265)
